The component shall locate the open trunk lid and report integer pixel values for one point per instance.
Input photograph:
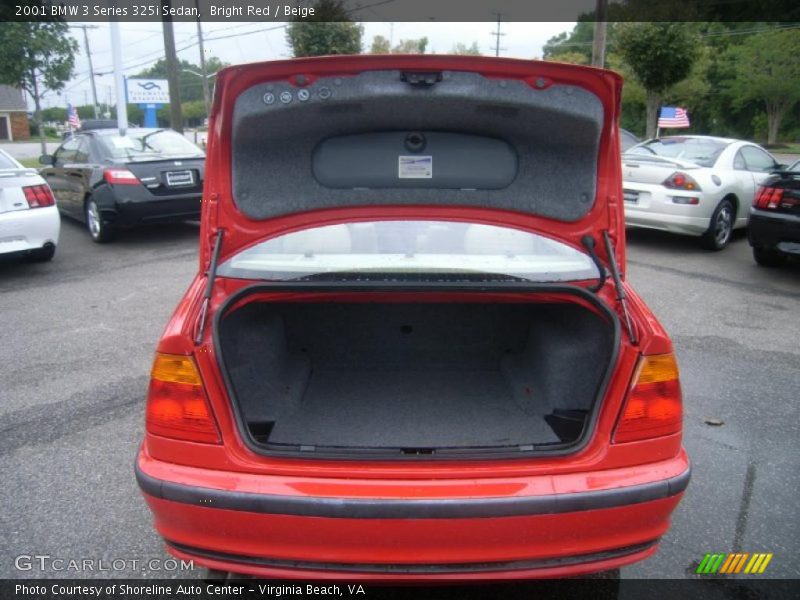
(307, 142)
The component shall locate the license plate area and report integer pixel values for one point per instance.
(630, 196)
(180, 178)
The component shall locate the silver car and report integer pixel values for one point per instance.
(693, 185)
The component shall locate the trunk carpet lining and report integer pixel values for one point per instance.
(460, 408)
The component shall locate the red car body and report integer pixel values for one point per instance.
(219, 500)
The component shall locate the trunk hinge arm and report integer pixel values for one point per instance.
(589, 243)
(621, 296)
(211, 275)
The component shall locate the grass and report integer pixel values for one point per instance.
(30, 162)
(784, 148)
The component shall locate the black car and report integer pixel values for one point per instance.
(110, 181)
(774, 226)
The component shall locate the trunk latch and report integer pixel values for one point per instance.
(421, 78)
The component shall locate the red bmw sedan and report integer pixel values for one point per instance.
(410, 351)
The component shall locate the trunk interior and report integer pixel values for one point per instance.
(414, 378)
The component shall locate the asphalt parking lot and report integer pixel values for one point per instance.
(78, 336)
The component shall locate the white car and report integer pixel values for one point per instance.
(29, 220)
(693, 185)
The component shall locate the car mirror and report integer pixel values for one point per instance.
(47, 159)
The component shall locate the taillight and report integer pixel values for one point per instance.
(176, 402)
(38, 196)
(120, 177)
(654, 406)
(681, 181)
(771, 198)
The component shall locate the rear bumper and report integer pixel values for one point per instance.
(656, 209)
(130, 208)
(275, 526)
(774, 231)
(26, 230)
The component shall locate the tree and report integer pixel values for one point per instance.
(766, 68)
(471, 50)
(39, 57)
(574, 58)
(329, 31)
(659, 56)
(380, 45)
(411, 46)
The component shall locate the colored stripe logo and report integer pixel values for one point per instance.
(734, 563)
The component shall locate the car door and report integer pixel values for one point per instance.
(56, 175)
(77, 175)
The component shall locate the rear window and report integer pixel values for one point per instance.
(422, 250)
(148, 145)
(701, 151)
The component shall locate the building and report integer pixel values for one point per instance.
(13, 114)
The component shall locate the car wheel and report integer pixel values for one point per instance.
(721, 227)
(43, 254)
(768, 258)
(99, 230)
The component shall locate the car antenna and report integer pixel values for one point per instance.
(621, 296)
(211, 276)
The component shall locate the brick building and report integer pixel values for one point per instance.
(13, 114)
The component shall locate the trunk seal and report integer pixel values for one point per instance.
(323, 452)
(381, 508)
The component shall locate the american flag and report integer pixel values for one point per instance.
(673, 117)
(72, 117)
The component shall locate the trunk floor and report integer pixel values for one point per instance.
(410, 409)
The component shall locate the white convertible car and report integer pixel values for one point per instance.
(693, 185)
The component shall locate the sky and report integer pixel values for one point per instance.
(143, 45)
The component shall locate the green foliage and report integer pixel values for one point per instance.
(471, 50)
(574, 58)
(380, 45)
(329, 31)
(37, 56)
(766, 68)
(659, 54)
(194, 112)
(578, 41)
(411, 46)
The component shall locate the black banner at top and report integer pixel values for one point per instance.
(401, 10)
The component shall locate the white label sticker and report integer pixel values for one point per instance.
(415, 167)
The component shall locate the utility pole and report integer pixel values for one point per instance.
(176, 116)
(497, 36)
(599, 42)
(206, 93)
(89, 58)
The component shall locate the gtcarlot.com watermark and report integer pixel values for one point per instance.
(47, 562)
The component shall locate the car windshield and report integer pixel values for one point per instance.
(410, 250)
(149, 144)
(7, 163)
(701, 151)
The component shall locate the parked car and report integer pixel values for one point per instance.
(110, 181)
(29, 221)
(774, 229)
(693, 185)
(627, 139)
(410, 352)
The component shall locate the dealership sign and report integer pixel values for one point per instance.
(148, 91)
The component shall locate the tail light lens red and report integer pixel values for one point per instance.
(654, 406)
(681, 181)
(772, 198)
(38, 196)
(120, 177)
(176, 402)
